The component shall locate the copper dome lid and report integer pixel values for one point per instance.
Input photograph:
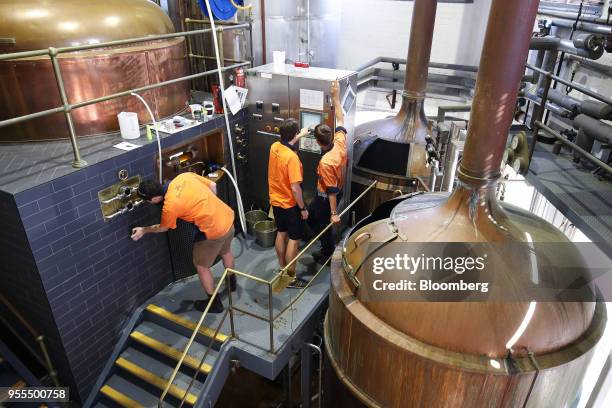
(39, 24)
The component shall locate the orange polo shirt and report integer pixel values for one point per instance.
(190, 198)
(284, 169)
(332, 166)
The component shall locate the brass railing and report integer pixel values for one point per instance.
(45, 360)
(269, 319)
(67, 107)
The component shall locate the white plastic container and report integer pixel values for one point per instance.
(128, 124)
(279, 61)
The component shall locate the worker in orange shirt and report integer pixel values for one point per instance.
(285, 176)
(331, 173)
(193, 198)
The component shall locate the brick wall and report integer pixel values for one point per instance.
(22, 287)
(84, 276)
(94, 276)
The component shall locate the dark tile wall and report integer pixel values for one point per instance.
(91, 276)
(21, 285)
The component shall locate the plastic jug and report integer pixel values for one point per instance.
(279, 61)
(128, 124)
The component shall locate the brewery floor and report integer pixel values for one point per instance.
(252, 296)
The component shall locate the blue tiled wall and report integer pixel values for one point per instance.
(21, 285)
(91, 275)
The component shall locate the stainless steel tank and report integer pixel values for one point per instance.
(393, 150)
(28, 85)
(457, 354)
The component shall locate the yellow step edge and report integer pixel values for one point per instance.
(206, 331)
(169, 351)
(155, 380)
(119, 397)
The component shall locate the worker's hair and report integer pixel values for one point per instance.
(323, 134)
(148, 189)
(289, 129)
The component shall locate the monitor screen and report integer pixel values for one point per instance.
(310, 119)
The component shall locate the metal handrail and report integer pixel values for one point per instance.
(54, 54)
(192, 338)
(538, 116)
(230, 310)
(40, 339)
(197, 371)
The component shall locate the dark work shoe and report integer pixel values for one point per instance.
(297, 283)
(216, 307)
(321, 259)
(233, 284)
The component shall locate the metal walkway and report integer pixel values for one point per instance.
(584, 198)
(155, 337)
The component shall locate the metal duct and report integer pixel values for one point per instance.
(594, 128)
(393, 150)
(504, 53)
(584, 45)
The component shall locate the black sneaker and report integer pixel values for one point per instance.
(297, 283)
(216, 307)
(321, 259)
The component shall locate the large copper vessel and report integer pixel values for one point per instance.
(28, 85)
(393, 150)
(443, 354)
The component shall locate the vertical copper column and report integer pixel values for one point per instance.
(501, 68)
(419, 49)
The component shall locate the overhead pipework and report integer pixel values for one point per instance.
(29, 84)
(394, 150)
(519, 352)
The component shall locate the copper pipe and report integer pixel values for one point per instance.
(419, 50)
(263, 31)
(502, 66)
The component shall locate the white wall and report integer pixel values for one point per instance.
(382, 28)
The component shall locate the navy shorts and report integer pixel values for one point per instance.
(289, 220)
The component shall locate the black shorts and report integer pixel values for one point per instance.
(289, 220)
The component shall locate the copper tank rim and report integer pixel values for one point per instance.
(461, 361)
(107, 51)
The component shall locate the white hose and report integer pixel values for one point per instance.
(227, 124)
(161, 181)
(239, 199)
(221, 85)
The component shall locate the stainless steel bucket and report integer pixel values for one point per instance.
(253, 217)
(265, 233)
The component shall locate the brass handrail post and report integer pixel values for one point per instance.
(78, 162)
(230, 302)
(50, 368)
(271, 317)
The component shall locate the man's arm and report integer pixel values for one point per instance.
(300, 135)
(335, 93)
(333, 205)
(140, 232)
(296, 188)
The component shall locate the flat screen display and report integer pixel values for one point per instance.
(310, 119)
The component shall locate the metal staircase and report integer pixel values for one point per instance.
(148, 356)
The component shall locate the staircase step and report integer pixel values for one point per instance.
(171, 345)
(119, 397)
(157, 374)
(135, 391)
(184, 322)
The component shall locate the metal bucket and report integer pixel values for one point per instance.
(253, 217)
(265, 233)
